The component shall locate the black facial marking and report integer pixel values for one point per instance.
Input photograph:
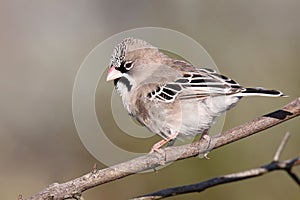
(122, 68)
(116, 81)
(125, 81)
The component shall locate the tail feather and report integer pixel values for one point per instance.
(260, 92)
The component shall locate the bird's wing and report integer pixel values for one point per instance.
(195, 83)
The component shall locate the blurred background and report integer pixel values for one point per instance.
(43, 43)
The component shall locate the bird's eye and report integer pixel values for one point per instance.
(128, 64)
(125, 66)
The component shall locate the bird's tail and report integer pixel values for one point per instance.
(258, 91)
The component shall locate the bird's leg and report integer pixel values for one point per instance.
(159, 144)
(206, 137)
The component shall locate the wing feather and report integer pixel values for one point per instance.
(195, 84)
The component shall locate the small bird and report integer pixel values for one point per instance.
(171, 97)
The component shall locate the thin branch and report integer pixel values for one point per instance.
(74, 188)
(281, 146)
(293, 175)
(286, 165)
(199, 187)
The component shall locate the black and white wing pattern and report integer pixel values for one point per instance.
(166, 93)
(196, 84)
(207, 82)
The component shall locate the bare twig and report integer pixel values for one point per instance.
(198, 187)
(292, 174)
(75, 187)
(281, 146)
(286, 165)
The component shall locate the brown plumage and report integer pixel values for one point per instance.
(172, 97)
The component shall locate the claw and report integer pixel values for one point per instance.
(207, 138)
(206, 155)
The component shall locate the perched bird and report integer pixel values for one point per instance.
(171, 97)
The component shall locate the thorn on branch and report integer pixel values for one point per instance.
(94, 170)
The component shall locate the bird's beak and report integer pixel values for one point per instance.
(113, 74)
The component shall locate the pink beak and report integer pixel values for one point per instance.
(113, 74)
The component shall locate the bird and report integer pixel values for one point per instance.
(169, 96)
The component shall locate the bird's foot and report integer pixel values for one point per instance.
(156, 147)
(207, 139)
